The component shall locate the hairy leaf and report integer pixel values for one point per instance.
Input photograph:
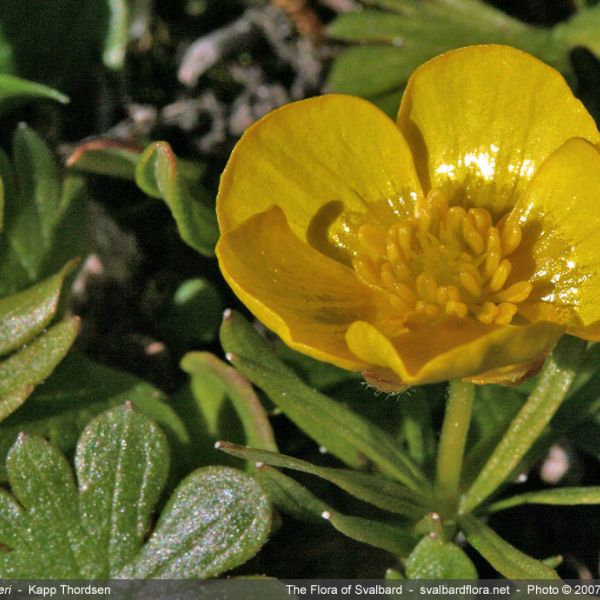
(329, 423)
(506, 559)
(435, 559)
(216, 519)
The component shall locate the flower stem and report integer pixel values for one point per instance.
(452, 442)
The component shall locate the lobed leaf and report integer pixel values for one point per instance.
(25, 314)
(554, 383)
(216, 519)
(78, 391)
(51, 541)
(374, 489)
(122, 462)
(569, 496)
(294, 499)
(25, 369)
(207, 370)
(329, 423)
(506, 559)
(397, 36)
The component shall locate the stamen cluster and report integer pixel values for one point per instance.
(444, 262)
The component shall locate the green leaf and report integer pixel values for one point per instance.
(290, 497)
(115, 43)
(23, 370)
(24, 315)
(15, 91)
(329, 423)
(315, 373)
(207, 369)
(216, 519)
(402, 35)
(554, 383)
(62, 532)
(581, 30)
(570, 496)
(435, 559)
(45, 221)
(103, 156)
(37, 44)
(51, 541)
(294, 499)
(158, 174)
(79, 390)
(37, 177)
(122, 461)
(494, 409)
(382, 68)
(374, 489)
(506, 559)
(395, 538)
(194, 314)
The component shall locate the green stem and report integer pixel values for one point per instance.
(452, 442)
(528, 425)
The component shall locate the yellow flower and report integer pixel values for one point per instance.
(459, 242)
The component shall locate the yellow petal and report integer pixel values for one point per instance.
(326, 161)
(308, 299)
(451, 350)
(482, 119)
(560, 252)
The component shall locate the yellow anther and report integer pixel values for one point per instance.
(405, 293)
(506, 312)
(518, 292)
(372, 240)
(487, 313)
(493, 241)
(441, 295)
(511, 236)
(453, 224)
(462, 251)
(402, 272)
(432, 311)
(458, 309)
(482, 220)
(453, 293)
(405, 237)
(470, 283)
(472, 236)
(500, 276)
(426, 287)
(367, 270)
(387, 277)
(439, 202)
(392, 251)
(491, 264)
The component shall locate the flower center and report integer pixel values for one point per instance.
(444, 262)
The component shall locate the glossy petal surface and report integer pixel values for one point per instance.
(482, 119)
(326, 161)
(460, 243)
(306, 298)
(453, 350)
(561, 249)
